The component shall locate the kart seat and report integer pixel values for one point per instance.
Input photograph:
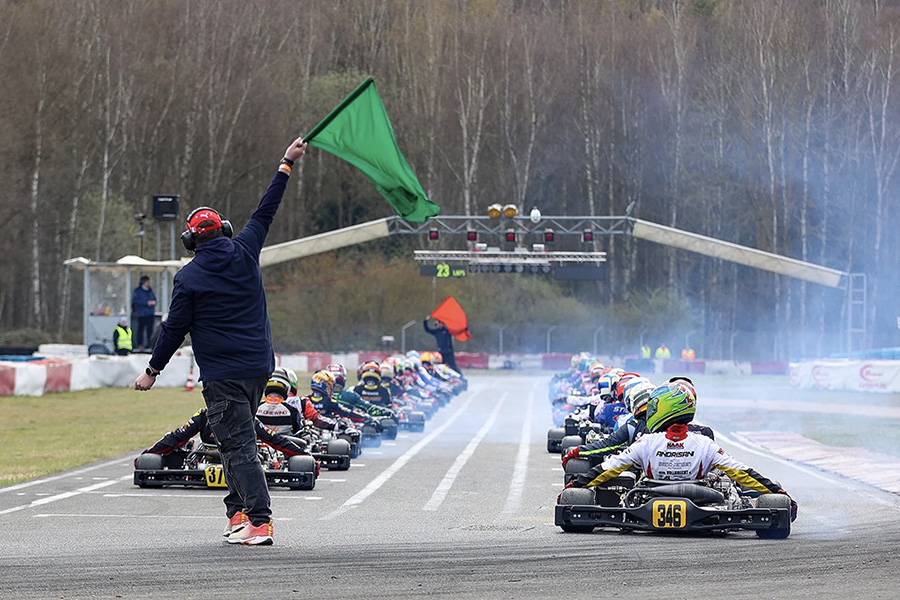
(698, 494)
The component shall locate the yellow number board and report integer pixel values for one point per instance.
(215, 476)
(669, 514)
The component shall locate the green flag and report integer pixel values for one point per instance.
(359, 131)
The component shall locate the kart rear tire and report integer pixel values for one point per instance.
(303, 464)
(577, 466)
(554, 437)
(774, 501)
(570, 441)
(579, 496)
(338, 446)
(149, 462)
(388, 429)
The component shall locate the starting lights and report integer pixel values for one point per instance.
(471, 235)
(494, 211)
(511, 235)
(549, 236)
(433, 235)
(587, 236)
(510, 211)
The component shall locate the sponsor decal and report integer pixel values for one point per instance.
(870, 373)
(675, 445)
(820, 375)
(674, 454)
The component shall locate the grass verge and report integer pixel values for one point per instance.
(64, 430)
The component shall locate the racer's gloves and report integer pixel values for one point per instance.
(572, 453)
(342, 425)
(793, 504)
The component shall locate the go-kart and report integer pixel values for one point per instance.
(577, 429)
(714, 504)
(201, 466)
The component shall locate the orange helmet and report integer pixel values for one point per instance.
(437, 357)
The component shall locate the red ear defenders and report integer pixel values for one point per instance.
(192, 226)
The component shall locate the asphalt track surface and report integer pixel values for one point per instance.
(463, 510)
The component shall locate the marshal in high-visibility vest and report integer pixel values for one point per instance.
(122, 337)
(688, 354)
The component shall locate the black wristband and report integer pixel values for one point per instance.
(151, 372)
(287, 161)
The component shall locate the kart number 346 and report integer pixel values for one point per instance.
(669, 514)
(215, 476)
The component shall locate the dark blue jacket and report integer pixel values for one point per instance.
(139, 300)
(219, 299)
(441, 337)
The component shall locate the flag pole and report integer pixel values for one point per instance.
(353, 96)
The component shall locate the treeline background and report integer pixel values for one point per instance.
(768, 123)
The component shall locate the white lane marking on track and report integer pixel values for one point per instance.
(517, 487)
(64, 495)
(129, 516)
(398, 464)
(26, 484)
(194, 496)
(450, 477)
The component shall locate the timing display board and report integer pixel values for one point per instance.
(442, 271)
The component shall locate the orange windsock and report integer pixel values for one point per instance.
(451, 314)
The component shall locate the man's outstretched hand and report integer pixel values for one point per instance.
(296, 150)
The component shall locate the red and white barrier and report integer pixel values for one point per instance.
(70, 369)
(852, 375)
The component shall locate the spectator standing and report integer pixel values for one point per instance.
(219, 299)
(122, 337)
(143, 305)
(663, 352)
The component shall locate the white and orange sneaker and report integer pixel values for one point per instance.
(253, 535)
(237, 522)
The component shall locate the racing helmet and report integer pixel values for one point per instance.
(387, 372)
(278, 384)
(637, 395)
(619, 390)
(670, 403)
(412, 354)
(584, 364)
(322, 383)
(574, 361)
(596, 370)
(606, 384)
(292, 377)
(437, 357)
(686, 382)
(426, 358)
(371, 377)
(340, 375)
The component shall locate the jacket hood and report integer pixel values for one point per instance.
(215, 254)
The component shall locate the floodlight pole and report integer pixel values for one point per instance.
(502, 327)
(597, 331)
(403, 335)
(551, 328)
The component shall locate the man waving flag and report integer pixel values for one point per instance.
(359, 131)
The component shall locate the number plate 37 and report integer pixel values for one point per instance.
(669, 514)
(215, 476)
